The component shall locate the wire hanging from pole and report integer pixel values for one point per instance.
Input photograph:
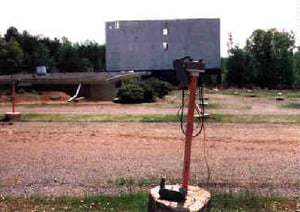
(199, 110)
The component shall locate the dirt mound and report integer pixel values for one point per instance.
(40, 97)
(27, 97)
(54, 96)
(4, 98)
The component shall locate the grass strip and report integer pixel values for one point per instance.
(98, 118)
(221, 201)
(249, 201)
(257, 118)
(214, 118)
(292, 105)
(261, 93)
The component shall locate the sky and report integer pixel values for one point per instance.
(81, 20)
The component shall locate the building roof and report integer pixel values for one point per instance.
(69, 78)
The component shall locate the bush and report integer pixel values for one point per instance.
(131, 93)
(149, 93)
(161, 88)
(146, 91)
(5, 92)
(21, 91)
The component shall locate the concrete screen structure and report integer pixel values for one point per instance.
(153, 44)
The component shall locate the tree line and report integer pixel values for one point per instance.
(268, 60)
(22, 52)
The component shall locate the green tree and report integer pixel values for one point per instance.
(23, 51)
(68, 57)
(3, 55)
(11, 56)
(259, 46)
(271, 53)
(86, 65)
(41, 55)
(296, 68)
(28, 44)
(94, 53)
(283, 44)
(11, 32)
(239, 68)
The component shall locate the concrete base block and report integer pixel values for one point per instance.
(205, 115)
(197, 199)
(12, 116)
(279, 98)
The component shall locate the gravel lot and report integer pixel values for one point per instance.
(85, 158)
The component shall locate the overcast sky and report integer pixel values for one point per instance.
(81, 20)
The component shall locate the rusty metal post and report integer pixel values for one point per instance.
(12, 115)
(189, 130)
(13, 96)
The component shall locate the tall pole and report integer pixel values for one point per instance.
(189, 129)
(13, 96)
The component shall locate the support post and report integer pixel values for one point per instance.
(13, 96)
(183, 197)
(189, 130)
(13, 115)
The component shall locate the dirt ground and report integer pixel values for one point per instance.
(226, 104)
(87, 158)
(84, 158)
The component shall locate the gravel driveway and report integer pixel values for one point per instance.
(81, 158)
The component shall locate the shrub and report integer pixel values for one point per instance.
(131, 93)
(147, 91)
(161, 88)
(5, 92)
(21, 90)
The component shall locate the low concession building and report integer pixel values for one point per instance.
(95, 85)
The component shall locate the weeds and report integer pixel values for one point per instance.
(134, 182)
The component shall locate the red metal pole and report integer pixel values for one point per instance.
(13, 96)
(189, 131)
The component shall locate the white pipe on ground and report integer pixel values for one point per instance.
(76, 94)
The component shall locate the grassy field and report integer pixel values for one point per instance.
(244, 201)
(214, 118)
